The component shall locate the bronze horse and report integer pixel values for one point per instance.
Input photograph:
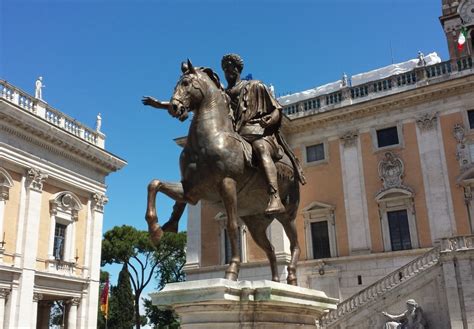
(213, 168)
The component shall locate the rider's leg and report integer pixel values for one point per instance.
(262, 149)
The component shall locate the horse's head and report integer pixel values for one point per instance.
(191, 89)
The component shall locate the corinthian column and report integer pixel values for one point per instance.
(3, 296)
(72, 316)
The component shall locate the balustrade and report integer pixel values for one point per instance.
(53, 116)
(387, 84)
(402, 274)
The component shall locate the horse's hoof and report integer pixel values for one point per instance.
(170, 226)
(276, 279)
(291, 280)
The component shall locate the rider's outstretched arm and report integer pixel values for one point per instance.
(153, 102)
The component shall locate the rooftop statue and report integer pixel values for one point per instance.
(234, 156)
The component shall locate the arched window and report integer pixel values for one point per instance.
(6, 182)
(64, 209)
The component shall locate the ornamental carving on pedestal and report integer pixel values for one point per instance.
(99, 201)
(391, 170)
(35, 179)
(427, 121)
(349, 139)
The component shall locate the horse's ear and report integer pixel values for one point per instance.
(190, 67)
(184, 67)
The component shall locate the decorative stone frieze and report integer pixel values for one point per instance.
(349, 139)
(99, 201)
(391, 171)
(35, 179)
(4, 293)
(462, 152)
(427, 121)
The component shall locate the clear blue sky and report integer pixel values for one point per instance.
(103, 55)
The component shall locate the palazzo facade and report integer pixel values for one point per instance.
(52, 197)
(389, 160)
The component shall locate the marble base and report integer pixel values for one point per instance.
(221, 303)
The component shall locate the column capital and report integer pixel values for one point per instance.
(427, 121)
(99, 201)
(75, 301)
(37, 297)
(349, 139)
(4, 293)
(4, 193)
(35, 179)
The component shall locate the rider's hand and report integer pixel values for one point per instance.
(148, 100)
(266, 121)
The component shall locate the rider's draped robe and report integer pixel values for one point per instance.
(250, 102)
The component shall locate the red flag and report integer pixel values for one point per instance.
(104, 300)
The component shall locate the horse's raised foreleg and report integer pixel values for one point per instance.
(290, 230)
(228, 191)
(174, 191)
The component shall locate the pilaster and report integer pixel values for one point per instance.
(354, 194)
(34, 185)
(98, 201)
(435, 177)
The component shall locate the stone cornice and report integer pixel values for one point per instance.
(20, 123)
(412, 97)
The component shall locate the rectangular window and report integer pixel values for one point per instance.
(320, 239)
(387, 137)
(315, 152)
(399, 230)
(228, 249)
(470, 115)
(59, 241)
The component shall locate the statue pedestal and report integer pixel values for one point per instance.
(221, 303)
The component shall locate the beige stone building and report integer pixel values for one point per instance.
(52, 197)
(389, 159)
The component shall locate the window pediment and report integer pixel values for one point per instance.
(65, 203)
(317, 209)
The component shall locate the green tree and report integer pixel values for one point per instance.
(127, 245)
(121, 302)
(170, 257)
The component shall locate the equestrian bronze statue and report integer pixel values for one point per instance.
(234, 155)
